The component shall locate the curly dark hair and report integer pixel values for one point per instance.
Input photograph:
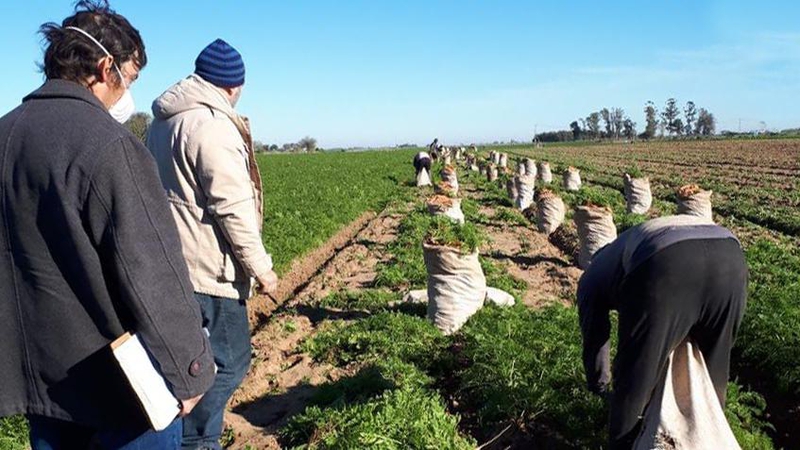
(72, 56)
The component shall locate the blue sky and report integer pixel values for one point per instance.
(371, 73)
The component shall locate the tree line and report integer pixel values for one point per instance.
(613, 123)
(139, 123)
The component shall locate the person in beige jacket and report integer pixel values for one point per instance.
(204, 152)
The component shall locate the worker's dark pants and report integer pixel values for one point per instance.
(694, 288)
(422, 163)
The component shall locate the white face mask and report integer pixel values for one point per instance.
(124, 108)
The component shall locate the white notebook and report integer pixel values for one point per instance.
(157, 401)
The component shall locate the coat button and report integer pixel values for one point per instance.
(194, 369)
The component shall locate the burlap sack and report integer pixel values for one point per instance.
(685, 412)
(503, 163)
(694, 201)
(637, 194)
(521, 168)
(595, 230)
(444, 188)
(530, 167)
(498, 297)
(442, 205)
(423, 178)
(456, 286)
(492, 173)
(493, 295)
(511, 189)
(525, 190)
(545, 175)
(450, 176)
(572, 179)
(550, 212)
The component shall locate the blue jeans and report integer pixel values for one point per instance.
(54, 434)
(229, 333)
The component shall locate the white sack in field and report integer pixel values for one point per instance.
(423, 178)
(694, 201)
(456, 286)
(685, 412)
(525, 190)
(545, 175)
(596, 229)
(637, 194)
(446, 206)
(572, 179)
(550, 212)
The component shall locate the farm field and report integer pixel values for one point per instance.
(354, 367)
(342, 362)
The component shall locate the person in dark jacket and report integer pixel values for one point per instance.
(90, 250)
(434, 149)
(669, 279)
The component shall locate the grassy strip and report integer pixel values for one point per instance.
(386, 335)
(382, 407)
(13, 433)
(526, 366)
(388, 404)
(769, 338)
(308, 198)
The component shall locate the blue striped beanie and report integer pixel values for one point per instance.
(221, 65)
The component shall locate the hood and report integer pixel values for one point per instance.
(191, 93)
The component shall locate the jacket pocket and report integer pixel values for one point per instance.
(231, 271)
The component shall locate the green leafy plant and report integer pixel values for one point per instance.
(443, 231)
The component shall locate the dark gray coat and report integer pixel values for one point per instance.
(89, 250)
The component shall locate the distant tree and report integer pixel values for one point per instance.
(576, 130)
(706, 123)
(668, 116)
(593, 124)
(651, 120)
(554, 136)
(138, 124)
(617, 116)
(628, 128)
(690, 113)
(678, 126)
(308, 144)
(273, 148)
(259, 147)
(605, 114)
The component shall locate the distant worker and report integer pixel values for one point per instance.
(434, 149)
(422, 165)
(670, 279)
(204, 151)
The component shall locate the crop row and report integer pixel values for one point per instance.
(508, 368)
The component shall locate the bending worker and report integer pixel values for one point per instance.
(669, 278)
(422, 160)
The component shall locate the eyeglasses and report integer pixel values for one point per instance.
(128, 80)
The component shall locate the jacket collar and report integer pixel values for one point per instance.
(58, 88)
